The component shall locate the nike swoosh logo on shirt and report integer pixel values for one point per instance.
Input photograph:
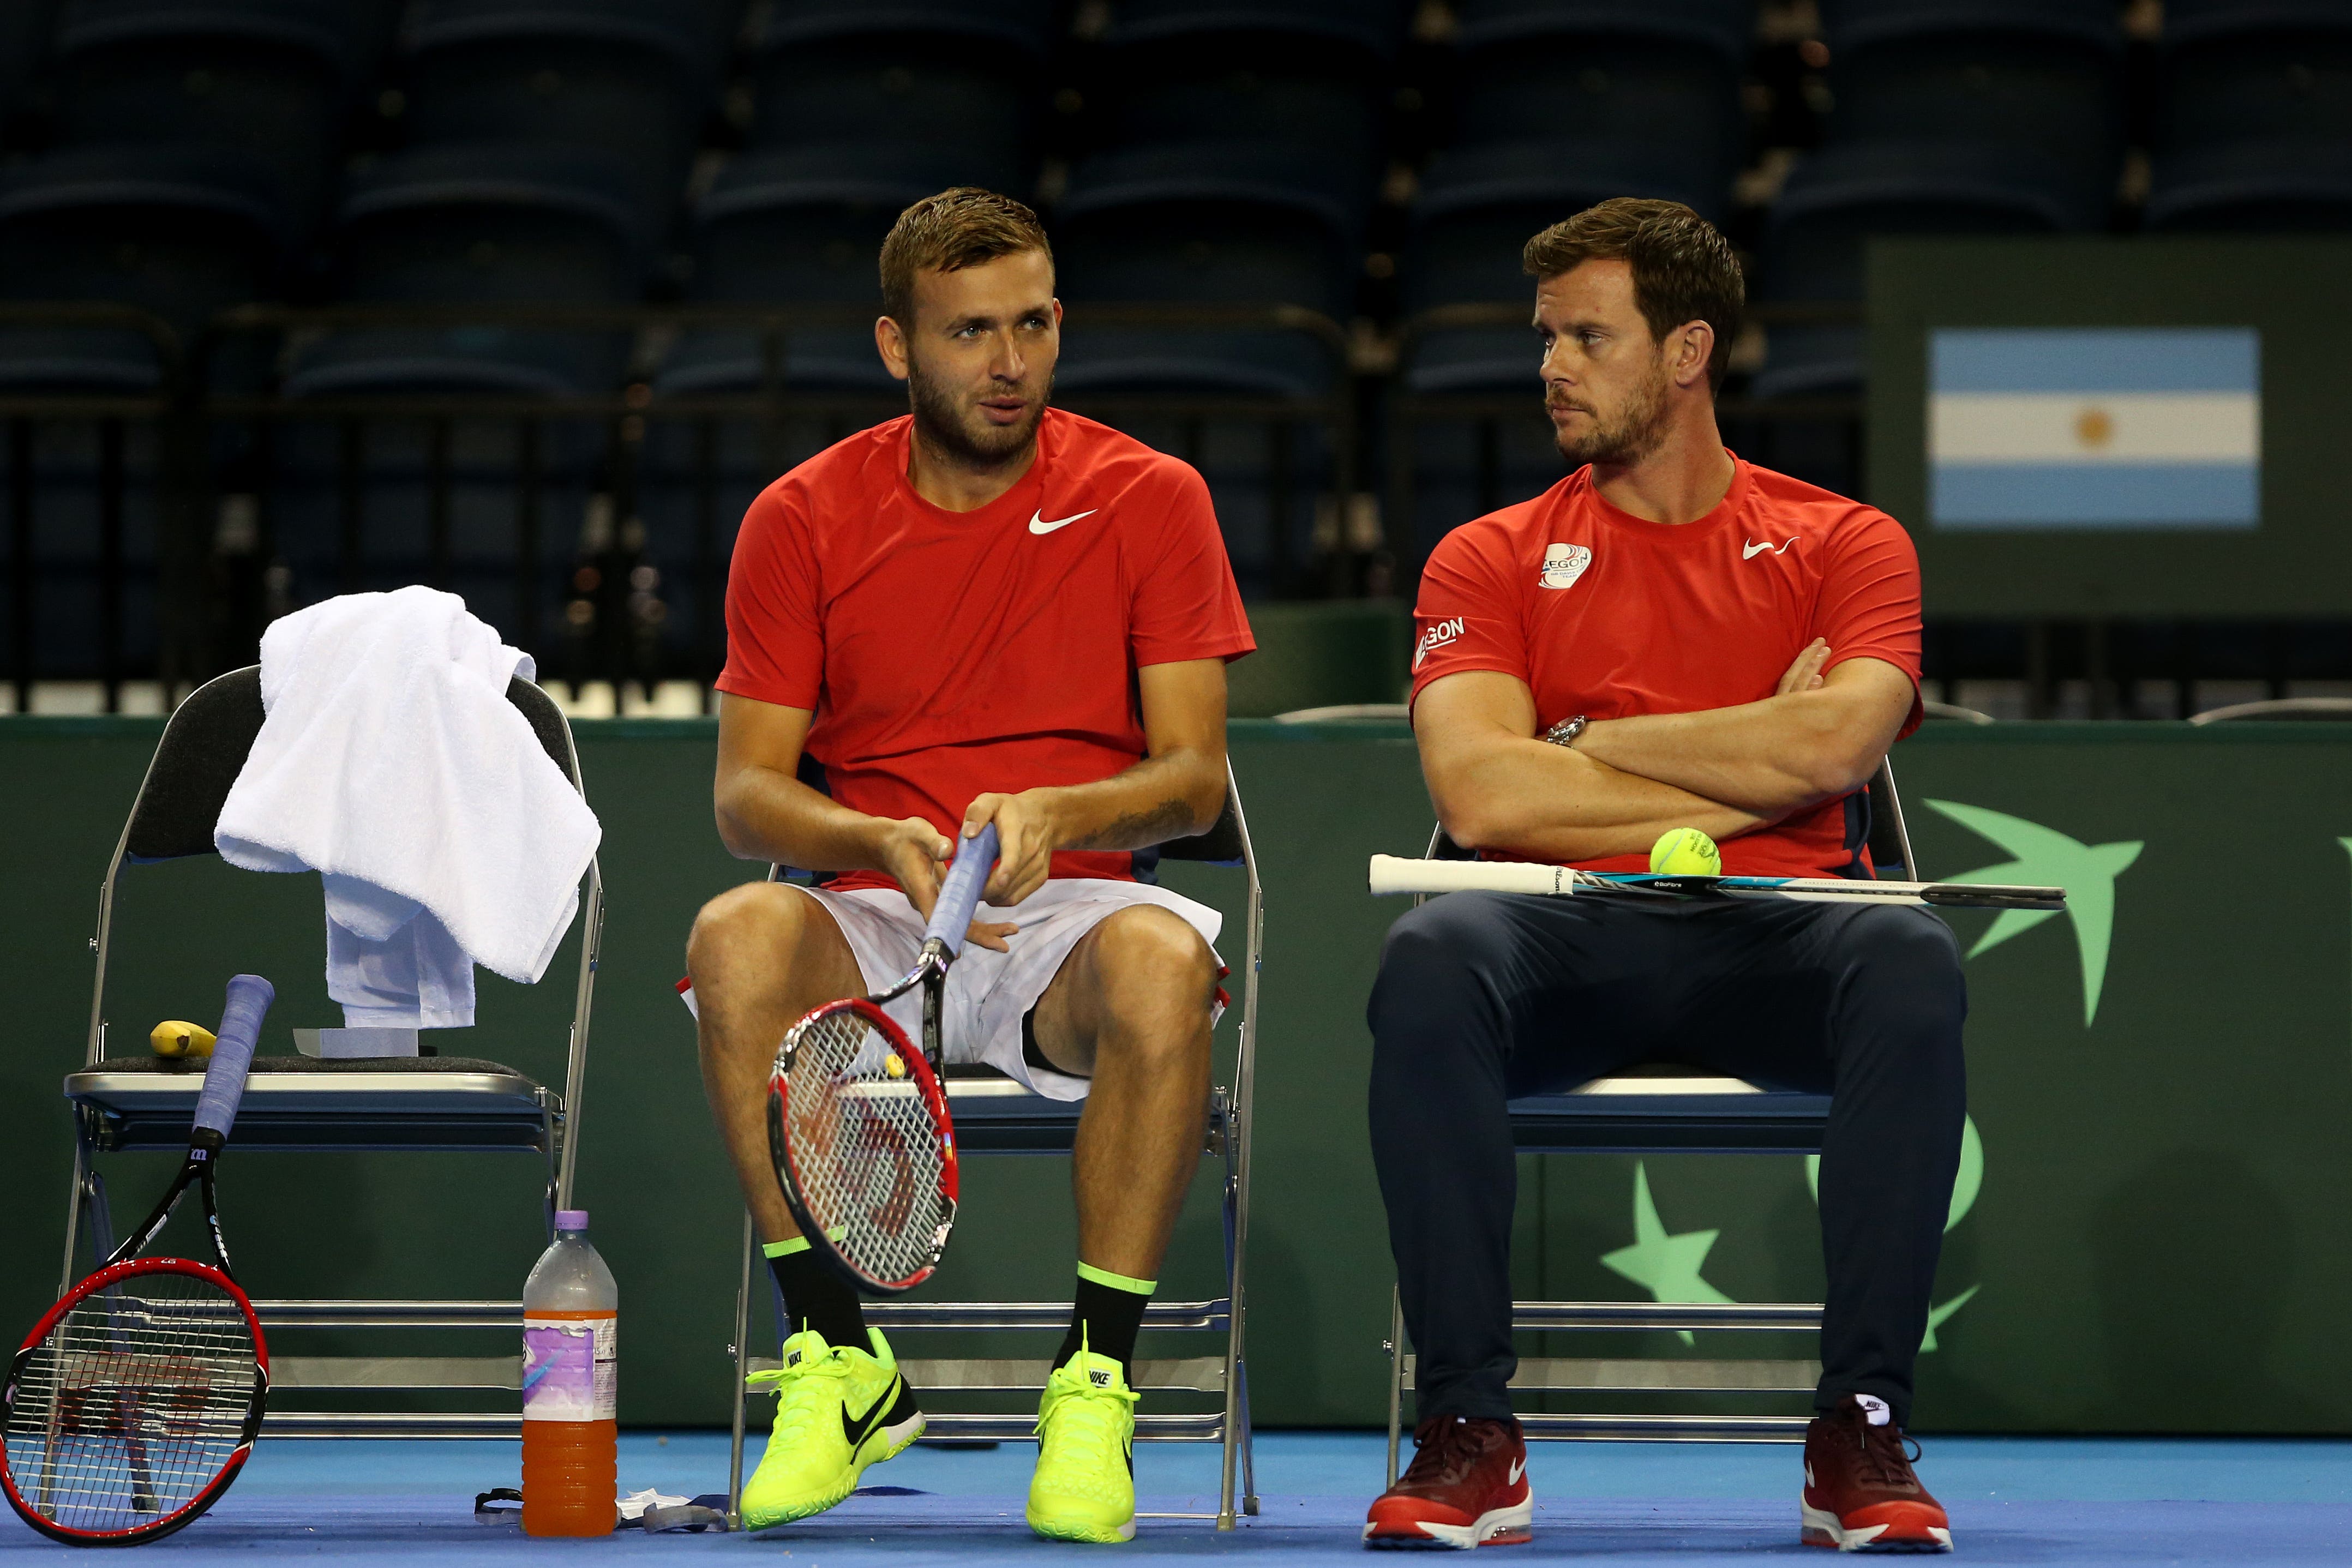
(1748, 553)
(1038, 525)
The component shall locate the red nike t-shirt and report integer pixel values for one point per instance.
(1604, 614)
(946, 654)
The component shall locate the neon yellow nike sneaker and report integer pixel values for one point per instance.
(838, 1409)
(1085, 1486)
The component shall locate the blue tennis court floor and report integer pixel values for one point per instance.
(2012, 1501)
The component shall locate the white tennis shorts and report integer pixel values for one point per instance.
(988, 992)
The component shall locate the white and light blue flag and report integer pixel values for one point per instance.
(2104, 427)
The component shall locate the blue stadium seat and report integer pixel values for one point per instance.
(976, 92)
(25, 29)
(2044, 74)
(2279, 185)
(1026, 26)
(1374, 26)
(1723, 26)
(1301, 94)
(1479, 205)
(1665, 73)
(1210, 223)
(633, 79)
(273, 78)
(180, 232)
(2235, 71)
(505, 225)
(1835, 201)
(803, 226)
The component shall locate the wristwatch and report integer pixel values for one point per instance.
(1564, 732)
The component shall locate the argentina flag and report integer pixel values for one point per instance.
(2109, 427)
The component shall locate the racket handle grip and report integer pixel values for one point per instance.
(249, 997)
(959, 893)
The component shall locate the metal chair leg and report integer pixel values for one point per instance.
(1396, 1379)
(1249, 1445)
(742, 1353)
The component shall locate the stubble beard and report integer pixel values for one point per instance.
(958, 430)
(1637, 432)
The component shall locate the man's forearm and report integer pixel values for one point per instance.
(1531, 798)
(1773, 757)
(1172, 796)
(769, 816)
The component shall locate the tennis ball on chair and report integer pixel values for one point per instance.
(1685, 851)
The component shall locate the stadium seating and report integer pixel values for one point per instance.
(632, 79)
(2232, 71)
(2284, 185)
(1666, 74)
(275, 80)
(2043, 73)
(834, 74)
(179, 232)
(1216, 223)
(1374, 26)
(1026, 25)
(481, 225)
(25, 29)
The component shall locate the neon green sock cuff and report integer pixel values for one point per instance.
(785, 1248)
(1089, 1272)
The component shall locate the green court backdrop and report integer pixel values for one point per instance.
(2154, 1236)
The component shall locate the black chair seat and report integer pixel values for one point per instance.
(303, 1102)
(1668, 1111)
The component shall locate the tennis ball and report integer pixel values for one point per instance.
(1685, 851)
(894, 1065)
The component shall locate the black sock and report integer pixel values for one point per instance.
(1106, 1315)
(814, 1297)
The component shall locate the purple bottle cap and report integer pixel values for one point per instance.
(571, 1220)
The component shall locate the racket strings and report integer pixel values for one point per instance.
(134, 1404)
(867, 1156)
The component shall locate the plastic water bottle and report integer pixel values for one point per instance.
(571, 1312)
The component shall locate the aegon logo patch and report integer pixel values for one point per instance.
(1563, 564)
(1437, 637)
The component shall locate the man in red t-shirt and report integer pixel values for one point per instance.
(988, 610)
(1670, 637)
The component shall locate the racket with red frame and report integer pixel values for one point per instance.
(857, 1121)
(135, 1400)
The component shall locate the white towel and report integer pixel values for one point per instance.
(391, 760)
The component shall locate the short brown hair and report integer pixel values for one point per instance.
(1684, 270)
(960, 227)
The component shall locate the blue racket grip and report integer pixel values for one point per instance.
(959, 894)
(249, 997)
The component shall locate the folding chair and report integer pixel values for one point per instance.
(1662, 1109)
(298, 1102)
(995, 1115)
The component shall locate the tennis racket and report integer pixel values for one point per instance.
(1394, 874)
(857, 1121)
(134, 1402)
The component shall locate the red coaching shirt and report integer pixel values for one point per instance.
(950, 653)
(1604, 614)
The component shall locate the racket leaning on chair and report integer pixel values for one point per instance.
(134, 1402)
(857, 1119)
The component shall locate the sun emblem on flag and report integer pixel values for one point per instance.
(2093, 428)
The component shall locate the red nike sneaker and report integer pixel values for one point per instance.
(1468, 1486)
(1860, 1494)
